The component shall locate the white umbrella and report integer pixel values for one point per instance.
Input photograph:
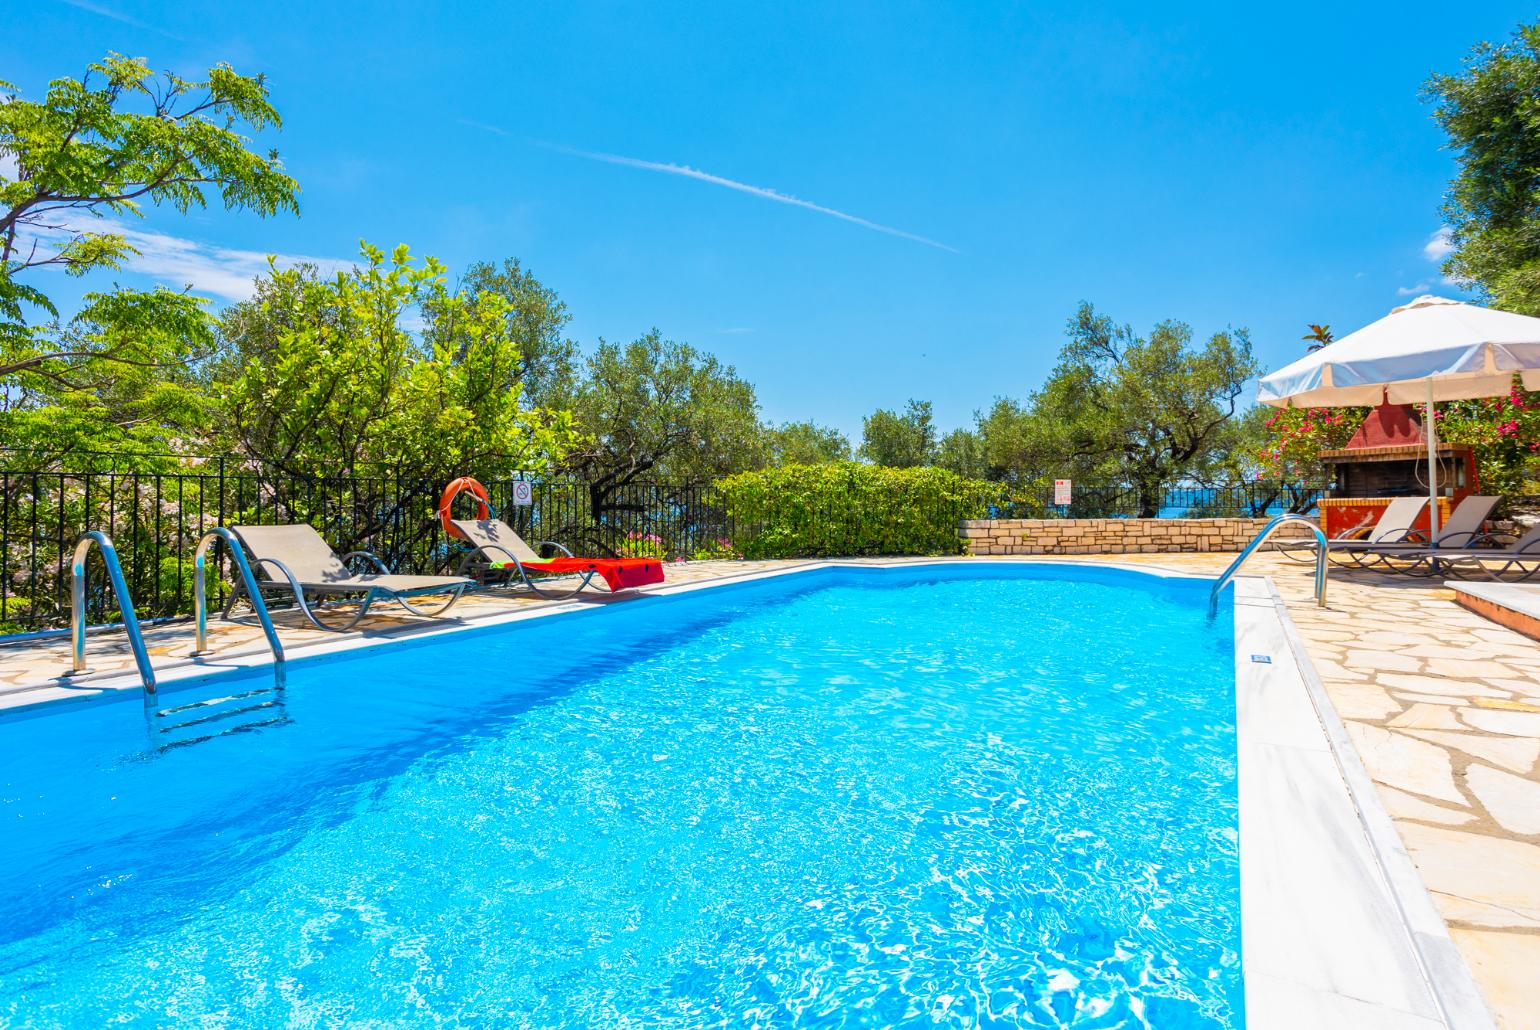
(1432, 349)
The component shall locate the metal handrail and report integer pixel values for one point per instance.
(200, 594)
(125, 605)
(1257, 541)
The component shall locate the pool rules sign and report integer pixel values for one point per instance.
(1061, 491)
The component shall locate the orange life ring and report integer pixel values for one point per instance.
(465, 484)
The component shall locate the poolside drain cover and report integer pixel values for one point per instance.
(1262, 659)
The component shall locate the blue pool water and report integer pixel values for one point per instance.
(968, 796)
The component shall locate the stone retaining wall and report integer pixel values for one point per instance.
(1106, 536)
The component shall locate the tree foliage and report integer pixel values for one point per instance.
(92, 150)
(1491, 113)
(655, 410)
(328, 382)
(1016, 444)
(1295, 437)
(537, 320)
(906, 440)
(962, 452)
(1146, 411)
(804, 443)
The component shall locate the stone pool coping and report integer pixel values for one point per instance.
(1377, 954)
(1364, 944)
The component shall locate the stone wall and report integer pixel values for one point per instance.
(1106, 536)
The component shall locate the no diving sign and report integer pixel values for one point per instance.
(523, 492)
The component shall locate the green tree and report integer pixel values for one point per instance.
(537, 319)
(896, 440)
(655, 411)
(327, 381)
(1147, 411)
(962, 451)
(805, 443)
(1491, 114)
(1016, 448)
(94, 149)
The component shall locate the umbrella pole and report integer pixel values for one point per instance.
(1432, 437)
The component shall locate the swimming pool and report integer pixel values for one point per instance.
(975, 794)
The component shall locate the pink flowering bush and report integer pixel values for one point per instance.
(1295, 438)
(1505, 433)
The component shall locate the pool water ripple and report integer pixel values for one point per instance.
(877, 799)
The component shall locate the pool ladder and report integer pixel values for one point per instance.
(125, 605)
(78, 665)
(1258, 541)
(201, 601)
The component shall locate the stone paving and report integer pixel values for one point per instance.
(1443, 706)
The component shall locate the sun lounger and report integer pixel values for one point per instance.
(1480, 558)
(1462, 529)
(498, 553)
(295, 559)
(1394, 524)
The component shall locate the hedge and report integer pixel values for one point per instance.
(847, 509)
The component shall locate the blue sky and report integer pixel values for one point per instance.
(965, 174)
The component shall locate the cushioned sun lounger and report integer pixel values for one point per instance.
(295, 559)
(502, 552)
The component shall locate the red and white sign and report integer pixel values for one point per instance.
(1061, 491)
(523, 492)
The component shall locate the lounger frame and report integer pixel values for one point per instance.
(283, 580)
(477, 565)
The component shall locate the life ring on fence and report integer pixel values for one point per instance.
(465, 484)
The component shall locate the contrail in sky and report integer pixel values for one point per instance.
(716, 180)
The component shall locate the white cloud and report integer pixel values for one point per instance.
(204, 268)
(1408, 291)
(1439, 245)
(764, 192)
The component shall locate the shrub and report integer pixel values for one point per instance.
(720, 549)
(849, 509)
(643, 545)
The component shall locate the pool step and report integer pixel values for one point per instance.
(212, 717)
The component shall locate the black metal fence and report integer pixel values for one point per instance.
(156, 520)
(1241, 500)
